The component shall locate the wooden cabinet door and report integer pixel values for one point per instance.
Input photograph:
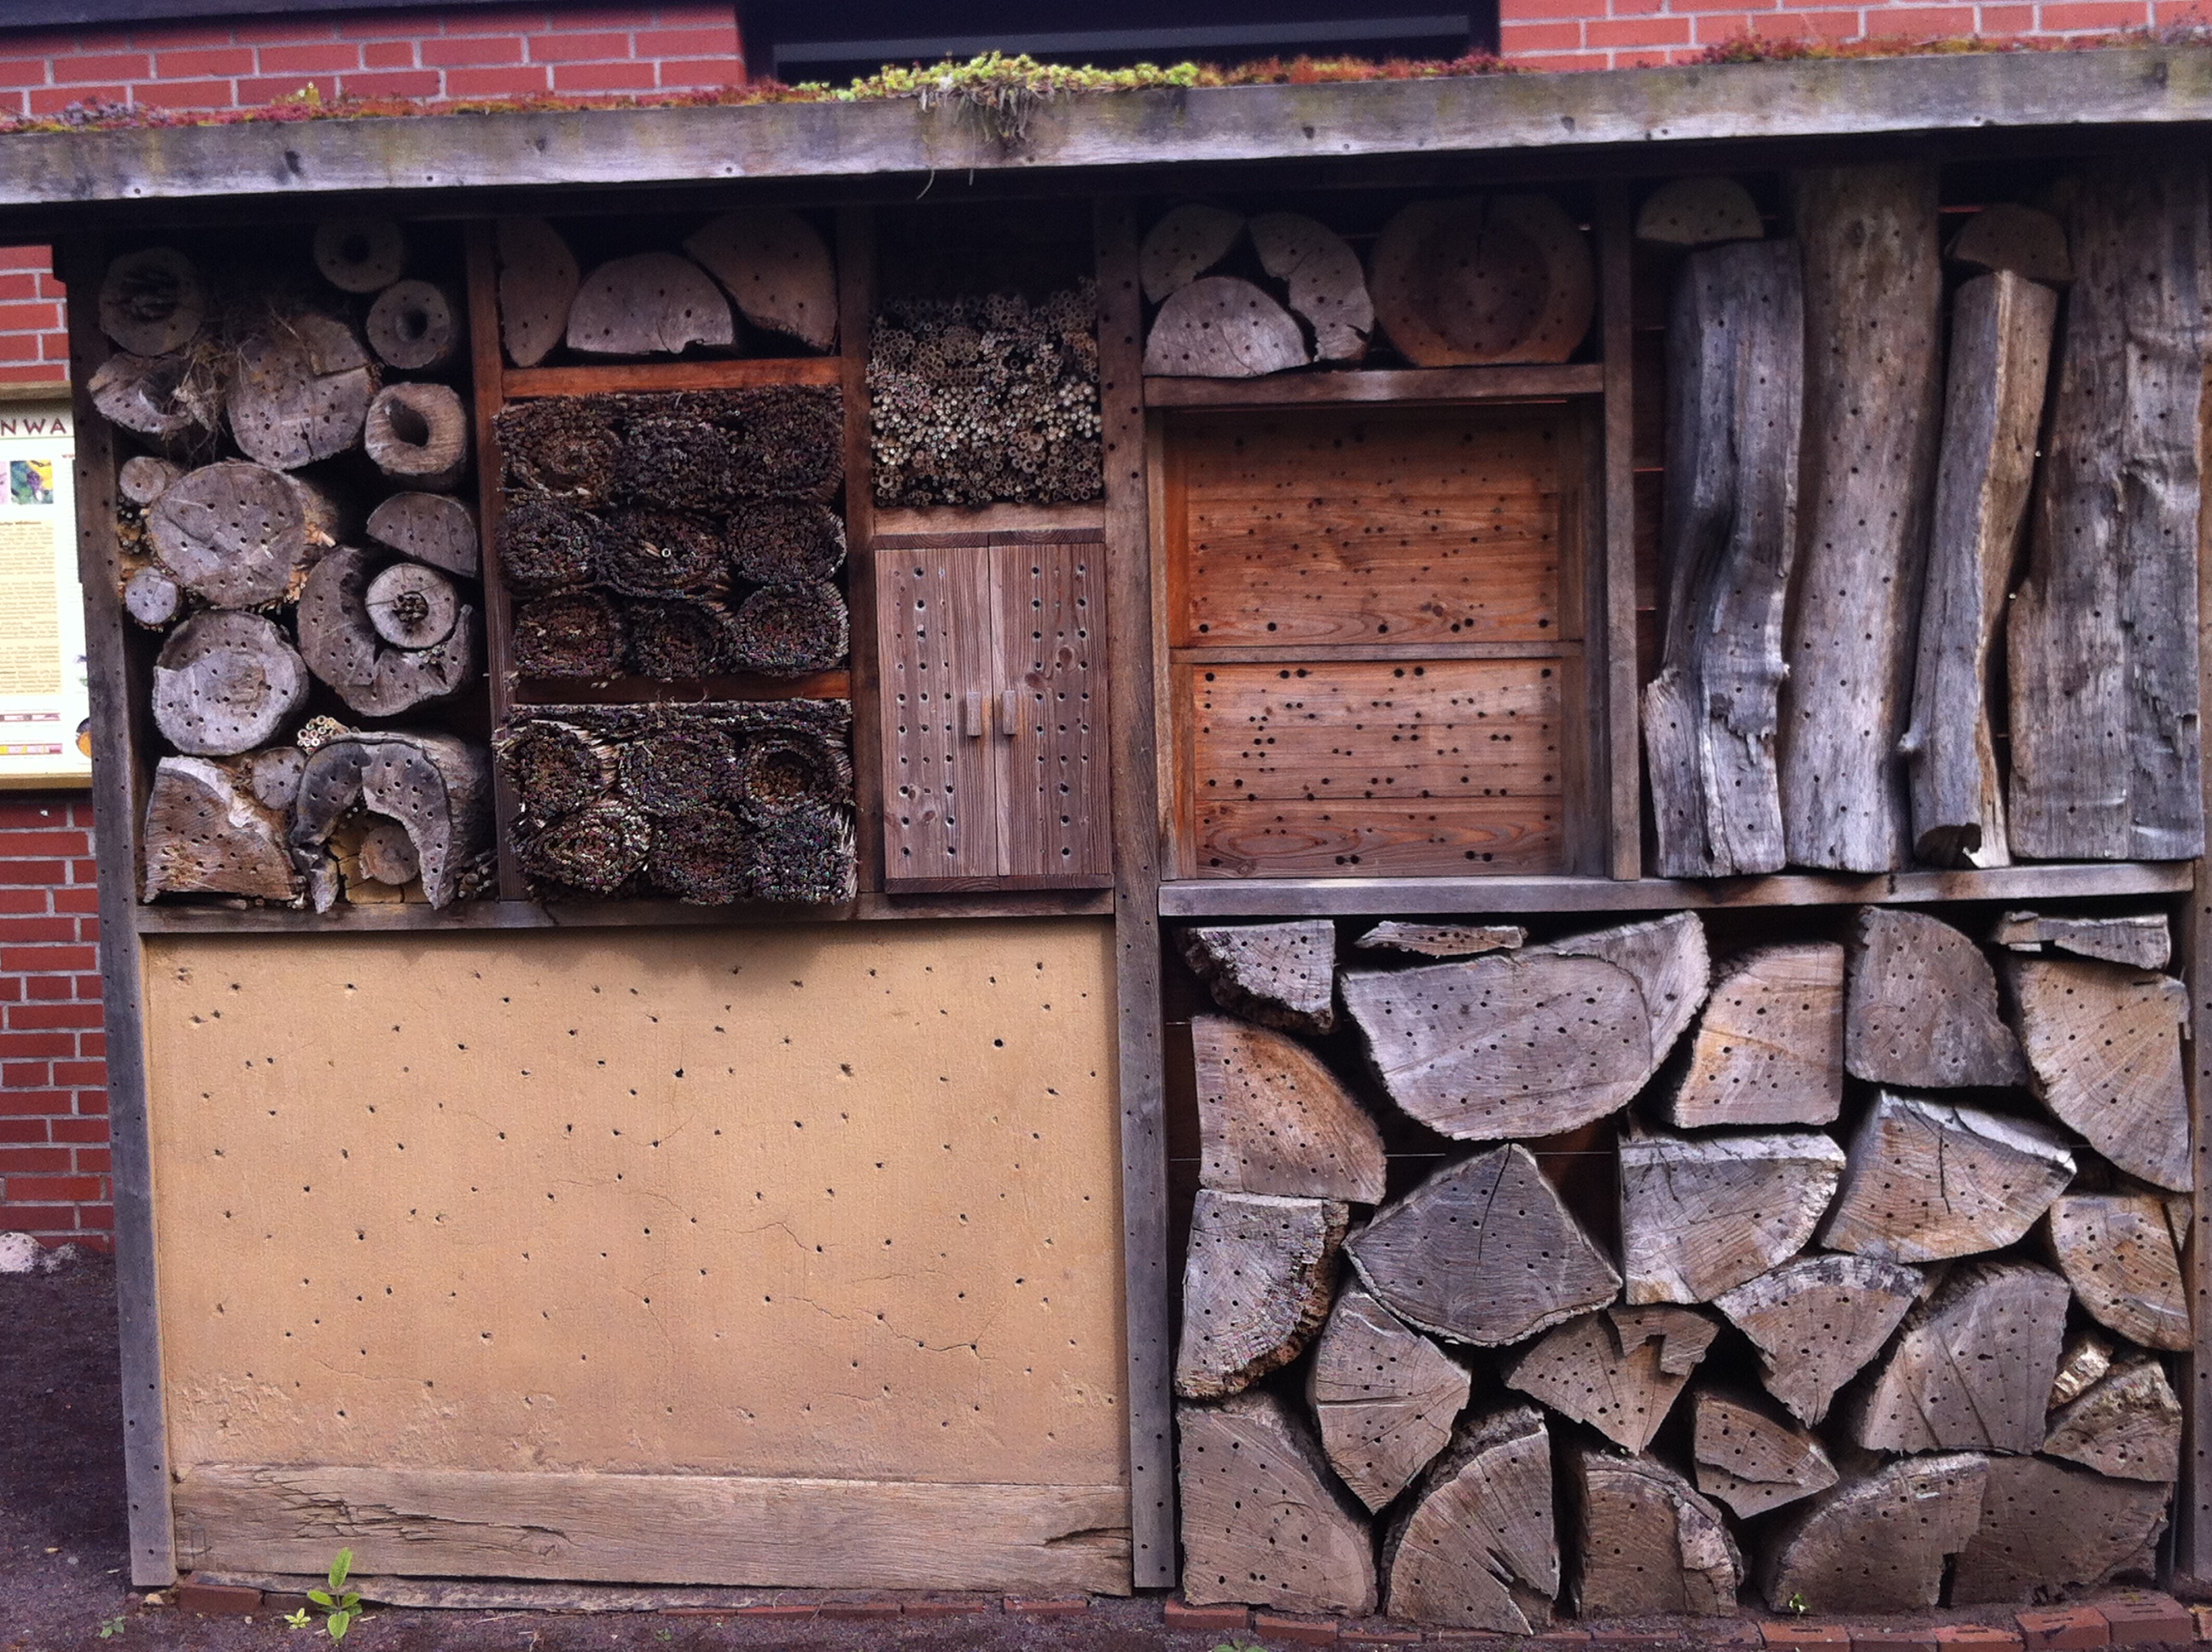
(1052, 710)
(941, 798)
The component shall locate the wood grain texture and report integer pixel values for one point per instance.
(1271, 1119)
(1442, 940)
(1877, 1541)
(1972, 1368)
(2104, 1047)
(1921, 1006)
(1438, 387)
(487, 371)
(1479, 1547)
(1645, 1541)
(1928, 1182)
(941, 780)
(2127, 1426)
(1384, 1396)
(1621, 1381)
(1276, 975)
(2141, 940)
(1768, 1048)
(1751, 1460)
(1263, 1521)
(855, 300)
(1816, 1321)
(1613, 590)
(1256, 1287)
(1702, 1216)
(2122, 1254)
(2051, 1530)
(623, 378)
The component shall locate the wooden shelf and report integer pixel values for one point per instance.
(1292, 653)
(1430, 384)
(517, 384)
(969, 525)
(688, 692)
(1384, 898)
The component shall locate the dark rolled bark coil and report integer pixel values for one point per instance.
(802, 855)
(595, 850)
(706, 856)
(572, 634)
(546, 545)
(555, 768)
(784, 542)
(677, 770)
(679, 460)
(782, 770)
(791, 442)
(788, 631)
(678, 639)
(660, 553)
(564, 446)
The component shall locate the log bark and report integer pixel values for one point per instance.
(1735, 346)
(1972, 1368)
(207, 833)
(1478, 1547)
(1874, 289)
(438, 788)
(1187, 241)
(173, 402)
(1701, 1215)
(239, 535)
(1770, 1046)
(152, 599)
(1921, 1006)
(1256, 1287)
(1482, 279)
(1751, 1460)
(226, 683)
(1263, 1523)
(554, 766)
(1384, 1395)
(2080, 1368)
(1223, 327)
(2121, 1255)
(1327, 286)
(2050, 1530)
(143, 478)
(1927, 1182)
(2019, 239)
(1443, 940)
(152, 302)
(785, 542)
(360, 255)
(2139, 940)
(1277, 975)
(1878, 1539)
(1817, 1320)
(1484, 1252)
(537, 282)
(593, 850)
(1646, 1542)
(1621, 1381)
(436, 529)
(418, 435)
(2101, 640)
(2001, 330)
(412, 606)
(1271, 1119)
(1692, 212)
(572, 634)
(340, 641)
(679, 639)
(648, 304)
(2103, 1046)
(299, 390)
(790, 630)
(417, 326)
(777, 268)
(2127, 1426)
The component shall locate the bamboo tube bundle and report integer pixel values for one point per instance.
(577, 633)
(803, 854)
(783, 541)
(568, 447)
(676, 639)
(556, 766)
(685, 764)
(546, 545)
(650, 553)
(788, 631)
(783, 769)
(595, 850)
(705, 857)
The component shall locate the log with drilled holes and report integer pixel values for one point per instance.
(2104, 1043)
(1878, 1541)
(2001, 327)
(1256, 1287)
(417, 435)
(1277, 975)
(1645, 1541)
(239, 535)
(434, 528)
(1618, 1372)
(1752, 1460)
(173, 402)
(300, 387)
(2022, 239)
(537, 282)
(648, 304)
(345, 645)
(144, 479)
(1921, 1005)
(1263, 1522)
(1326, 284)
(1384, 1396)
(1477, 1547)
(1735, 369)
(417, 326)
(1271, 1119)
(2141, 940)
(1768, 1048)
(1187, 241)
(1698, 212)
(360, 255)
(226, 683)
(152, 302)
(412, 606)
(1927, 1182)
(437, 787)
(1482, 279)
(1222, 327)
(152, 599)
(1666, 957)
(2084, 1364)
(206, 833)
(1702, 1215)
(2127, 1426)
(2121, 1255)
(1972, 1370)
(1442, 940)
(1817, 1320)
(777, 268)
(2049, 1530)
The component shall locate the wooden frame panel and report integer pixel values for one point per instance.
(943, 816)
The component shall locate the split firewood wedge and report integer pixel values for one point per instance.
(1921, 1006)
(1326, 285)
(2127, 1426)
(1186, 243)
(1768, 1048)
(537, 282)
(1701, 1214)
(2104, 1044)
(2141, 940)
(1751, 1460)
(1646, 1542)
(1223, 327)
(1443, 940)
(648, 304)
(2049, 1529)
(1698, 212)
(2022, 239)
(1384, 1395)
(1277, 975)
(1878, 1539)
(1973, 1367)
(777, 268)
(1817, 1320)
(437, 787)
(1927, 1182)
(1477, 1547)
(207, 833)
(2122, 1254)
(1271, 1119)
(1256, 1287)
(436, 529)
(1620, 1379)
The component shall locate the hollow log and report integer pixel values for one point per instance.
(1277, 975)
(572, 634)
(1927, 1182)
(1701, 1215)
(412, 606)
(1262, 1521)
(152, 599)
(1187, 241)
(1384, 1396)
(1874, 291)
(1817, 1320)
(2103, 1046)
(1483, 1252)
(1272, 1119)
(143, 478)
(546, 545)
(1921, 1006)
(417, 326)
(1751, 1460)
(1646, 1542)
(566, 447)
(1972, 1368)
(2050, 1530)
(782, 542)
(1443, 940)
(1878, 1539)
(2127, 1426)
(660, 553)
(1692, 212)
(437, 787)
(593, 850)
(2019, 240)
(1327, 286)
(2139, 940)
(1666, 957)
(677, 638)
(704, 856)
(556, 766)
(1478, 1548)
(777, 268)
(1223, 327)
(1770, 1046)
(1254, 1289)
(2001, 330)
(299, 390)
(1735, 370)
(804, 854)
(173, 402)
(207, 833)
(340, 639)
(2121, 1255)
(537, 282)
(152, 302)
(418, 435)
(648, 304)
(2102, 637)
(436, 529)
(226, 683)
(679, 769)
(360, 255)
(790, 630)
(238, 536)
(1620, 1381)
(2083, 1364)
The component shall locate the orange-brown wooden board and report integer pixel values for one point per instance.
(1052, 640)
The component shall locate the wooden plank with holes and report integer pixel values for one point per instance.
(942, 807)
(488, 373)
(1051, 710)
(2193, 1500)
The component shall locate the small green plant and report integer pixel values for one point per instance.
(111, 1628)
(340, 1605)
(1233, 1644)
(1796, 1603)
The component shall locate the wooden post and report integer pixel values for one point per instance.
(856, 303)
(486, 380)
(1619, 770)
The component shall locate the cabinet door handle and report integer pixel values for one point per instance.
(972, 714)
(1009, 712)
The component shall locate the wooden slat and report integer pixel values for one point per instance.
(943, 814)
(856, 304)
(487, 365)
(973, 522)
(2193, 1500)
(995, 901)
(1616, 593)
(1051, 648)
(523, 383)
(1433, 386)
(1330, 653)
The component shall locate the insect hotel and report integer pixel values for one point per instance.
(1428, 849)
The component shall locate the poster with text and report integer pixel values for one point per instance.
(46, 730)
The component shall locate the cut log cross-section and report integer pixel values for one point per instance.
(1927, 1182)
(777, 268)
(2049, 1530)
(226, 683)
(1668, 960)
(1735, 371)
(1443, 940)
(1256, 1287)
(1751, 1460)
(416, 325)
(435, 787)
(436, 529)
(1326, 285)
(537, 282)
(1484, 1252)
(648, 304)
(1620, 1379)
(1273, 1120)
(1972, 1368)
(2001, 327)
(1770, 1046)
(341, 639)
(1689, 212)
(144, 479)
(1646, 1542)
(1876, 1541)
(1478, 1548)
(2141, 940)
(207, 833)
(412, 606)
(1187, 241)
(2005, 235)
(173, 402)
(1384, 1395)
(2127, 1426)
(299, 390)
(417, 435)
(1263, 1522)
(360, 255)
(2121, 1255)
(1817, 1320)
(1278, 975)
(1482, 279)
(152, 599)
(1223, 327)
(237, 535)
(1698, 1217)
(1921, 1006)
(2104, 1043)
(152, 302)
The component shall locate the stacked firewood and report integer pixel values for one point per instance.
(675, 536)
(292, 532)
(713, 804)
(1836, 1277)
